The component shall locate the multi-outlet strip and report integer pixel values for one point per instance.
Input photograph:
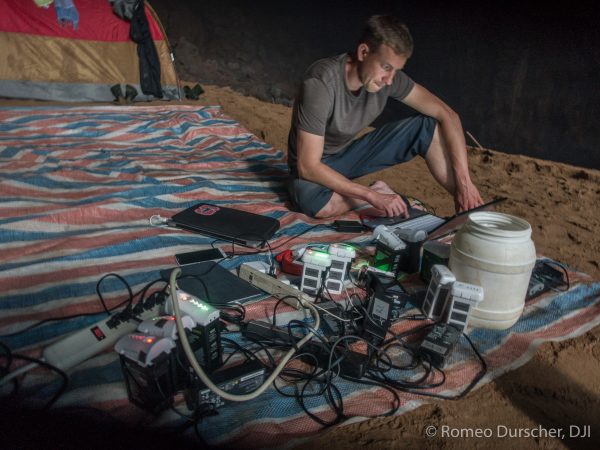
(83, 344)
(274, 286)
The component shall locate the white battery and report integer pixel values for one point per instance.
(201, 312)
(341, 257)
(463, 297)
(315, 265)
(438, 292)
(142, 348)
(386, 236)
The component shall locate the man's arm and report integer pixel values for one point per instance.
(309, 165)
(466, 195)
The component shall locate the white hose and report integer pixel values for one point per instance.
(198, 369)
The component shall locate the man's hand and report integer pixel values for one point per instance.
(466, 197)
(391, 204)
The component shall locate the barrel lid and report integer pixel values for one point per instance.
(499, 224)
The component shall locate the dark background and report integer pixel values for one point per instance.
(523, 76)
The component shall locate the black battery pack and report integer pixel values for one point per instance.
(240, 379)
(544, 277)
(439, 343)
(150, 387)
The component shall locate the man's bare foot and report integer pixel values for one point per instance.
(382, 187)
(367, 209)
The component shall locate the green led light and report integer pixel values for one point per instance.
(343, 246)
(199, 304)
(321, 255)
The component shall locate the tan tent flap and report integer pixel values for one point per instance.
(41, 58)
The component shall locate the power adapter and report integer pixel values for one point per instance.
(439, 343)
(348, 226)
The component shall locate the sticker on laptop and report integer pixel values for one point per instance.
(206, 210)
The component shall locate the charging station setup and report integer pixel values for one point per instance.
(334, 312)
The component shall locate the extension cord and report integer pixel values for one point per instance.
(83, 344)
(273, 286)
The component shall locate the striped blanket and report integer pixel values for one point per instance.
(78, 186)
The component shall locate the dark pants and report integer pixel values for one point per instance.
(391, 144)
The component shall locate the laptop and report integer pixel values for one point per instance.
(228, 224)
(435, 226)
(214, 284)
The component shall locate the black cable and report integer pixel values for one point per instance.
(279, 301)
(417, 387)
(414, 362)
(335, 401)
(406, 385)
(129, 301)
(264, 348)
(209, 411)
(142, 292)
(76, 316)
(237, 318)
(397, 339)
(293, 376)
(396, 400)
(333, 396)
(301, 324)
(249, 354)
(43, 363)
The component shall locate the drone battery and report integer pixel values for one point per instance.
(315, 267)
(400, 298)
(205, 341)
(438, 292)
(439, 343)
(414, 241)
(379, 310)
(152, 387)
(389, 259)
(238, 380)
(148, 369)
(463, 297)
(341, 258)
(434, 252)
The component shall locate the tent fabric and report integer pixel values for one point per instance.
(77, 188)
(39, 59)
(97, 21)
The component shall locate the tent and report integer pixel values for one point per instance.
(42, 57)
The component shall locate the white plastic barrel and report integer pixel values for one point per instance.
(494, 251)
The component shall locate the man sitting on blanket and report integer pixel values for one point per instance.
(342, 95)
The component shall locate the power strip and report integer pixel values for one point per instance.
(273, 286)
(83, 344)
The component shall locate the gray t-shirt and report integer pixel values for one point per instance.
(326, 107)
